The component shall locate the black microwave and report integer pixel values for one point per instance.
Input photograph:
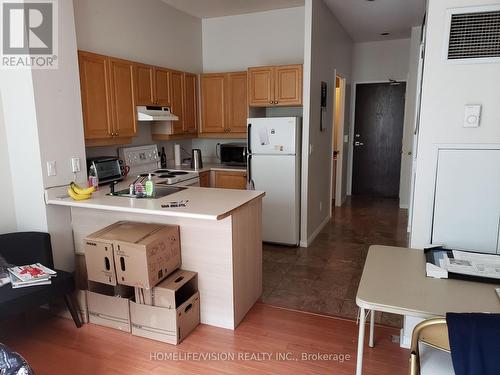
(233, 154)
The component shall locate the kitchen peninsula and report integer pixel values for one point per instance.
(221, 239)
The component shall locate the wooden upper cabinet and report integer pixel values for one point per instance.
(162, 86)
(261, 86)
(96, 96)
(275, 86)
(236, 102)
(213, 87)
(190, 103)
(177, 99)
(145, 84)
(122, 97)
(288, 85)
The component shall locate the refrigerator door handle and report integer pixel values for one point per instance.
(249, 168)
(249, 133)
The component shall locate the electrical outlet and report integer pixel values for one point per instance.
(51, 168)
(310, 149)
(346, 138)
(75, 165)
(321, 206)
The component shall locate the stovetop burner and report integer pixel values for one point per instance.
(178, 173)
(147, 174)
(168, 175)
(162, 171)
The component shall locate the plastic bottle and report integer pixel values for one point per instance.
(93, 179)
(149, 187)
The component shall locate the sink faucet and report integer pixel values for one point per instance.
(112, 187)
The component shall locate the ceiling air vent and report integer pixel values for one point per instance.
(474, 35)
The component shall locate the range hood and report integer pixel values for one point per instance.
(155, 113)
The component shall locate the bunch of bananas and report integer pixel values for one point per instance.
(78, 193)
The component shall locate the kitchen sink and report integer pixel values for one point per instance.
(160, 192)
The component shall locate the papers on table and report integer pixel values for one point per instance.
(444, 263)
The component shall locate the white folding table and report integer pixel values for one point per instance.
(394, 281)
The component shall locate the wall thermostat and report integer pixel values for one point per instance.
(472, 116)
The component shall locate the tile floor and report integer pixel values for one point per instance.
(324, 277)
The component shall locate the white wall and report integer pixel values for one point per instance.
(148, 31)
(378, 62)
(410, 113)
(235, 43)
(8, 216)
(447, 88)
(43, 121)
(327, 47)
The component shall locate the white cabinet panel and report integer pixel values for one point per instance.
(467, 200)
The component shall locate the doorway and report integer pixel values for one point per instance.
(339, 165)
(378, 135)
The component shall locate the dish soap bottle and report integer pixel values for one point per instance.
(149, 187)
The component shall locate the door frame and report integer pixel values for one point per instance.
(350, 160)
(340, 157)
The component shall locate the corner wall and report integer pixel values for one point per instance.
(148, 31)
(234, 43)
(447, 88)
(328, 47)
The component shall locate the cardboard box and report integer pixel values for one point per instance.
(133, 254)
(171, 292)
(109, 306)
(163, 324)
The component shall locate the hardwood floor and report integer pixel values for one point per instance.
(324, 277)
(54, 346)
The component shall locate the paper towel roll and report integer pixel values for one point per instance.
(177, 154)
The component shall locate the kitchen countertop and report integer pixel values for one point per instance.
(204, 203)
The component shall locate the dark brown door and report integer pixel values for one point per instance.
(378, 136)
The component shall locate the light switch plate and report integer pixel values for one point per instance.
(472, 116)
(51, 168)
(75, 165)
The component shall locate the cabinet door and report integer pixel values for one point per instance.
(260, 87)
(205, 179)
(236, 102)
(96, 96)
(177, 100)
(288, 85)
(212, 103)
(190, 103)
(145, 85)
(162, 86)
(231, 180)
(122, 97)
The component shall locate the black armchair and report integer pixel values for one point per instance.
(27, 248)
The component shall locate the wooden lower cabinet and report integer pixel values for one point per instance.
(230, 180)
(205, 179)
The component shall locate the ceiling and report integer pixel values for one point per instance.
(366, 20)
(220, 8)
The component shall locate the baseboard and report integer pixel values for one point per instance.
(313, 236)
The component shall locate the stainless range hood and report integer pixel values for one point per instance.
(155, 113)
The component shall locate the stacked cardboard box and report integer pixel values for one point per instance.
(128, 261)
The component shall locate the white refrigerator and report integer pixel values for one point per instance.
(273, 166)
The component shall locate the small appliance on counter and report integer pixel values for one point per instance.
(234, 154)
(196, 159)
(107, 169)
